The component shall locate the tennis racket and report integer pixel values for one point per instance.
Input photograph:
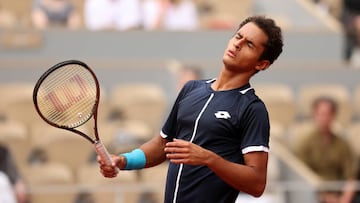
(66, 96)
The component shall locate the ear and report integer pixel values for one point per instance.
(262, 65)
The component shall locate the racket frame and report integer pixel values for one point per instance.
(94, 111)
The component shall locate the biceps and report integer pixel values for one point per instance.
(258, 162)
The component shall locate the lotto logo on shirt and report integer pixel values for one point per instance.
(222, 115)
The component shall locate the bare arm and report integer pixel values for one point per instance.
(153, 150)
(249, 178)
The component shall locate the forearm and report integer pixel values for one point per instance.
(154, 151)
(249, 177)
(149, 154)
(245, 178)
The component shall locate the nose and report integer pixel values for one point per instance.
(239, 43)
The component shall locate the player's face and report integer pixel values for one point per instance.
(245, 48)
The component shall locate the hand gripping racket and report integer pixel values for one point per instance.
(66, 96)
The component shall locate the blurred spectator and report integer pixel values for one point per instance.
(6, 191)
(37, 156)
(84, 197)
(351, 22)
(170, 15)
(187, 73)
(7, 18)
(55, 13)
(323, 6)
(7, 167)
(151, 14)
(329, 7)
(328, 155)
(112, 14)
(147, 197)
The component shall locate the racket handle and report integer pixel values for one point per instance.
(103, 153)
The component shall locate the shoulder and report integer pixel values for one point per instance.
(199, 82)
(248, 92)
(342, 142)
(195, 84)
(253, 101)
(307, 140)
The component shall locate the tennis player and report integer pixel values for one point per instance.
(217, 133)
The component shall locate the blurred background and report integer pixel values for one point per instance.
(142, 51)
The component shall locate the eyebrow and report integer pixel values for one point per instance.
(249, 41)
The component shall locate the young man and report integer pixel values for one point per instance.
(217, 134)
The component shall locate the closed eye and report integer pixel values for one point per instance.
(249, 43)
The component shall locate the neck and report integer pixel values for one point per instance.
(228, 80)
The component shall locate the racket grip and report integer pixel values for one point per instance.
(103, 153)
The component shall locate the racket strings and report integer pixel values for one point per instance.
(67, 96)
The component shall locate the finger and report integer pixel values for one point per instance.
(98, 158)
(178, 161)
(176, 155)
(176, 142)
(109, 168)
(176, 150)
(108, 174)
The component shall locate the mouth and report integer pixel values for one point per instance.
(231, 53)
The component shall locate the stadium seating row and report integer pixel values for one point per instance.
(211, 13)
(54, 181)
(279, 98)
(286, 106)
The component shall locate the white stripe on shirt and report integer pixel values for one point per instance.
(191, 140)
(255, 149)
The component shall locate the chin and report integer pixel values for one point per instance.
(228, 61)
(229, 64)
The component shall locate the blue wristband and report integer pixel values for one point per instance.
(135, 159)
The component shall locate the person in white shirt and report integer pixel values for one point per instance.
(170, 15)
(12, 186)
(6, 192)
(55, 13)
(112, 14)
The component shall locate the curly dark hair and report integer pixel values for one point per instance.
(274, 45)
